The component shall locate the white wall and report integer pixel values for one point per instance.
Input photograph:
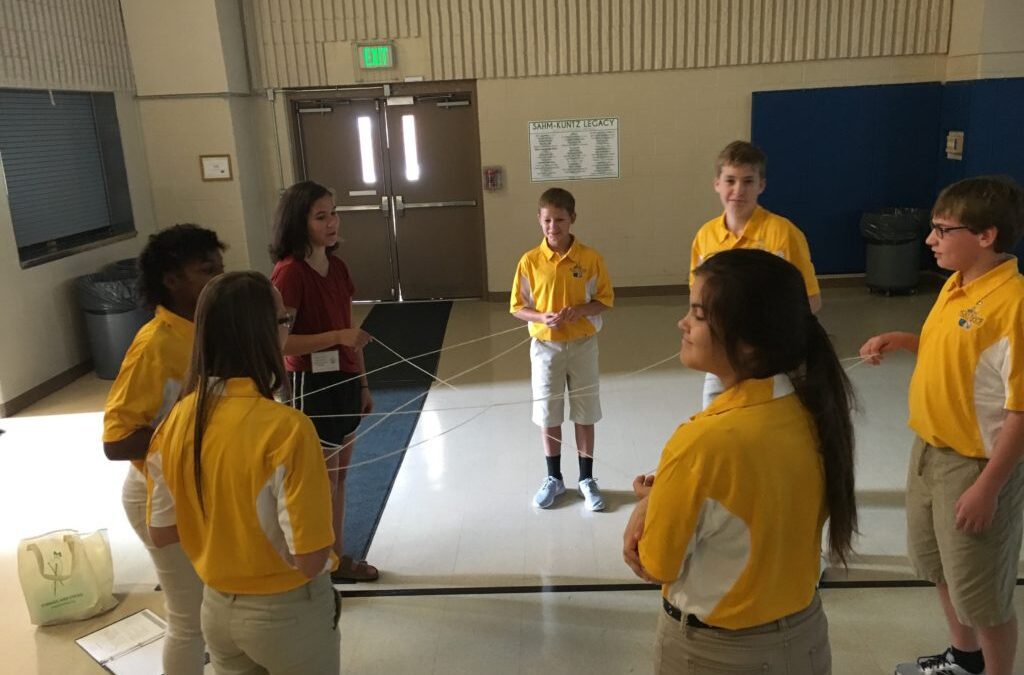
(987, 40)
(43, 333)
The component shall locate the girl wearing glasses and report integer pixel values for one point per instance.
(731, 525)
(239, 480)
(323, 352)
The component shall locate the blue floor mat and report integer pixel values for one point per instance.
(410, 329)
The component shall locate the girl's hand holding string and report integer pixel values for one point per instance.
(355, 338)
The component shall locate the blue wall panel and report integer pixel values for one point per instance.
(834, 153)
(991, 115)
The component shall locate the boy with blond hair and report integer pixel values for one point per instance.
(561, 288)
(739, 181)
(965, 487)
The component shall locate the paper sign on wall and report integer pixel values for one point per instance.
(574, 149)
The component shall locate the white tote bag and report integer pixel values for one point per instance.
(66, 576)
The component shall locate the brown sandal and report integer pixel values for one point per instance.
(351, 571)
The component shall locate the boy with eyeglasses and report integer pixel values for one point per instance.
(965, 487)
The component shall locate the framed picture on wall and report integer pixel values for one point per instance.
(215, 167)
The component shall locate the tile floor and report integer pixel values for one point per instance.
(460, 516)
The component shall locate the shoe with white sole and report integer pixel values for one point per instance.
(549, 489)
(592, 494)
(938, 664)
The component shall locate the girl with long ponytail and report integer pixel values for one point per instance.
(732, 525)
(240, 481)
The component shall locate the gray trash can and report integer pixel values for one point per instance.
(112, 314)
(893, 239)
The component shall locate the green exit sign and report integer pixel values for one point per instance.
(376, 56)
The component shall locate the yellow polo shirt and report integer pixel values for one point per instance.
(547, 282)
(735, 515)
(970, 362)
(264, 486)
(150, 378)
(766, 231)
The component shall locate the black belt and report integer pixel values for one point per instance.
(677, 614)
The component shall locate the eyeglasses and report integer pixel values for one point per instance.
(288, 320)
(942, 231)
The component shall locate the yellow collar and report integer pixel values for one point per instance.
(756, 218)
(985, 284)
(179, 324)
(241, 387)
(553, 256)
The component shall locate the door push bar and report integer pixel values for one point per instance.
(383, 208)
(401, 206)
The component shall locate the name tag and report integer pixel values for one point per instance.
(326, 362)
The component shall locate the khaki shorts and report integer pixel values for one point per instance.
(557, 366)
(797, 644)
(979, 569)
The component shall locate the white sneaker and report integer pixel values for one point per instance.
(592, 494)
(549, 489)
(939, 664)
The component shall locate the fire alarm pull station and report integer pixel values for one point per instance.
(494, 178)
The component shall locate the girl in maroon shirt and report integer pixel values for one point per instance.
(323, 353)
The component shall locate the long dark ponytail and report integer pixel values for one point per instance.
(758, 310)
(827, 393)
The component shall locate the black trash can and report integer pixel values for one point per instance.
(893, 239)
(109, 302)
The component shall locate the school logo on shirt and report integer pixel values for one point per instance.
(969, 318)
(577, 272)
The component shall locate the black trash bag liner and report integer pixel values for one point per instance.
(112, 290)
(121, 269)
(894, 225)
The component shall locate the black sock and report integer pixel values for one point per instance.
(970, 661)
(555, 466)
(586, 468)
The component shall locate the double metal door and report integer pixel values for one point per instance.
(404, 162)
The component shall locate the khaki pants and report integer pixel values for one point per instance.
(184, 651)
(291, 633)
(794, 645)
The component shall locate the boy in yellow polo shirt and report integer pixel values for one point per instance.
(739, 181)
(965, 488)
(561, 288)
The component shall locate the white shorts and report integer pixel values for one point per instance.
(557, 366)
